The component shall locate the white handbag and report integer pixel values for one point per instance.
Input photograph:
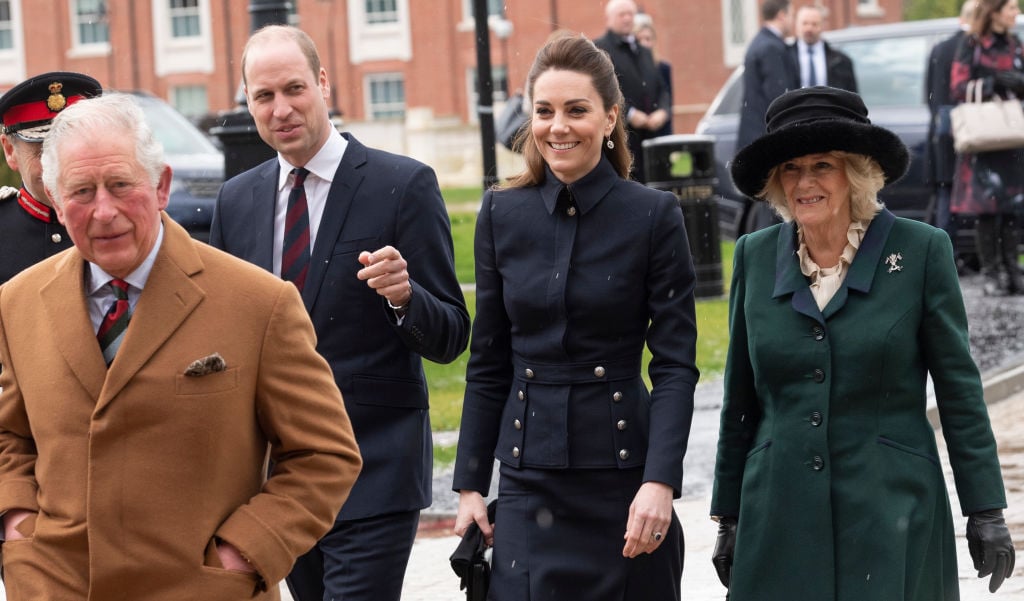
(996, 124)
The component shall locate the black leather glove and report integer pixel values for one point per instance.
(725, 547)
(989, 542)
(1010, 80)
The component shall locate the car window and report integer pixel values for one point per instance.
(889, 70)
(176, 133)
(730, 98)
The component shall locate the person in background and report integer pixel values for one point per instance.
(768, 70)
(828, 480)
(648, 102)
(147, 379)
(365, 236)
(819, 63)
(577, 268)
(29, 230)
(990, 185)
(647, 37)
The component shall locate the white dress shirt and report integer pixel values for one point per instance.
(819, 63)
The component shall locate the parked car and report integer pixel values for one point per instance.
(196, 163)
(890, 62)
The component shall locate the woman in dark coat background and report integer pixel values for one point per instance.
(828, 484)
(576, 269)
(990, 185)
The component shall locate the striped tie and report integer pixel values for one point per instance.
(295, 250)
(115, 322)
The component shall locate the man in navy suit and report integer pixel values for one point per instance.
(768, 70)
(365, 236)
(818, 63)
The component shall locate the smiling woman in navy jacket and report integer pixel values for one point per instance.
(576, 269)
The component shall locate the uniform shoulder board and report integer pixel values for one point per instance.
(8, 192)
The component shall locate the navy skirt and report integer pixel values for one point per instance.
(559, 535)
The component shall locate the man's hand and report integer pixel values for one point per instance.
(12, 518)
(386, 272)
(656, 119)
(232, 559)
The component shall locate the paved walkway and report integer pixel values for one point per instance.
(430, 578)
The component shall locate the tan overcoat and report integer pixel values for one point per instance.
(135, 470)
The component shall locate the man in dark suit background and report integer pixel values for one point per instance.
(940, 156)
(818, 63)
(768, 71)
(648, 100)
(376, 271)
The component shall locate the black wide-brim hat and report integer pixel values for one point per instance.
(811, 121)
(27, 110)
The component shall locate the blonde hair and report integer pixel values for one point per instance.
(863, 173)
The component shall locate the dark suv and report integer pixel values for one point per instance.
(890, 62)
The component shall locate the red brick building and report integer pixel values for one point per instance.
(397, 67)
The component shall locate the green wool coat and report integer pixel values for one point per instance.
(825, 451)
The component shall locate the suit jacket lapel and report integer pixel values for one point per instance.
(169, 297)
(347, 180)
(64, 300)
(788, 277)
(260, 213)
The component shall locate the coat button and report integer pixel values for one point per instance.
(571, 211)
(522, 395)
(599, 371)
(56, 238)
(518, 425)
(624, 454)
(817, 464)
(819, 333)
(815, 418)
(621, 424)
(529, 373)
(515, 451)
(617, 397)
(819, 376)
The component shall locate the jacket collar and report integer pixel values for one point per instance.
(586, 191)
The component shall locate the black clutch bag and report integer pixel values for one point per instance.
(469, 562)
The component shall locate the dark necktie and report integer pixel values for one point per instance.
(812, 77)
(295, 250)
(115, 321)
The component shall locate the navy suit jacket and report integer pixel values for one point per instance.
(376, 199)
(838, 68)
(768, 71)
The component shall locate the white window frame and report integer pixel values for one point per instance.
(499, 97)
(12, 60)
(80, 48)
(734, 43)
(390, 40)
(192, 13)
(188, 54)
(371, 106)
(204, 93)
(869, 8)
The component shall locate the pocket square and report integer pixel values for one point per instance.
(207, 365)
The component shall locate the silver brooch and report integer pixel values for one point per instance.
(893, 261)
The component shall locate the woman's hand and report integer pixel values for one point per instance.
(473, 509)
(650, 516)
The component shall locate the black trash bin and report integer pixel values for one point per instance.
(685, 165)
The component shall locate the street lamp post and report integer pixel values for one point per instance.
(485, 93)
(236, 130)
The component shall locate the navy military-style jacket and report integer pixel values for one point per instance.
(29, 232)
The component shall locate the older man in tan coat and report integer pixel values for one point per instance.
(133, 467)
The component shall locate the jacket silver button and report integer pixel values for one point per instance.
(816, 418)
(817, 464)
(522, 395)
(571, 211)
(624, 454)
(621, 424)
(819, 376)
(518, 425)
(617, 397)
(529, 373)
(599, 371)
(56, 238)
(818, 332)
(515, 451)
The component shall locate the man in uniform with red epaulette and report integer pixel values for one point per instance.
(29, 230)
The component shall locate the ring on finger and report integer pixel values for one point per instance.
(657, 537)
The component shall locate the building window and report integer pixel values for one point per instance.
(387, 96)
(739, 24)
(90, 20)
(381, 11)
(185, 18)
(6, 26)
(499, 81)
(869, 8)
(190, 101)
(495, 8)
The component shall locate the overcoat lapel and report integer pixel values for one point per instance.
(169, 297)
(788, 277)
(65, 303)
(347, 180)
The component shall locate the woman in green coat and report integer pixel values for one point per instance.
(827, 482)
